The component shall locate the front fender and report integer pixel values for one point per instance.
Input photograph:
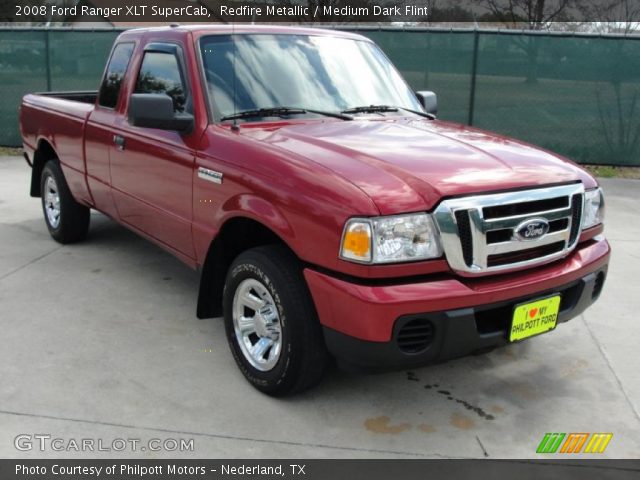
(245, 221)
(258, 209)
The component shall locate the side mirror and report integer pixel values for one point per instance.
(155, 110)
(429, 101)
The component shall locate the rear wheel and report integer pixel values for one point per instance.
(66, 219)
(271, 323)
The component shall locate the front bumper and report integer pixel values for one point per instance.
(366, 325)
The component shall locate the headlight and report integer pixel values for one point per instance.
(593, 208)
(398, 238)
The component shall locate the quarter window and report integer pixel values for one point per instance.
(160, 73)
(110, 88)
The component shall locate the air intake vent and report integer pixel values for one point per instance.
(524, 255)
(524, 208)
(415, 336)
(597, 286)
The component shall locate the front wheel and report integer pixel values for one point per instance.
(271, 323)
(66, 219)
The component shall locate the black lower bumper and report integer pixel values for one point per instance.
(435, 337)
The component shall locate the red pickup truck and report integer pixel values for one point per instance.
(329, 213)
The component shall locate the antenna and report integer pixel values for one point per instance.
(234, 126)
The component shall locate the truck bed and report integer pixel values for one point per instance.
(60, 118)
(82, 96)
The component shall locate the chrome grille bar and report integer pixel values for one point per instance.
(464, 229)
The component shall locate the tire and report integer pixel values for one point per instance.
(284, 316)
(66, 219)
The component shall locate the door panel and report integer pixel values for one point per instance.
(98, 141)
(99, 129)
(152, 169)
(152, 184)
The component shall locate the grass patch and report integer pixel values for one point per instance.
(10, 152)
(607, 171)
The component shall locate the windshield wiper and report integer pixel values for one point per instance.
(281, 112)
(385, 108)
(370, 109)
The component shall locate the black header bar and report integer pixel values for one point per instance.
(496, 13)
(114, 469)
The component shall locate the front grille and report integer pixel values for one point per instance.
(506, 234)
(464, 231)
(524, 208)
(415, 336)
(576, 215)
(524, 255)
(479, 233)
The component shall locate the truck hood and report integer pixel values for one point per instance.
(410, 164)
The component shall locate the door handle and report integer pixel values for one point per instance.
(119, 141)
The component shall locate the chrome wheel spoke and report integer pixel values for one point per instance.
(52, 202)
(269, 315)
(246, 325)
(257, 326)
(253, 302)
(261, 347)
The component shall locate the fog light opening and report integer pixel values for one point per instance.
(415, 336)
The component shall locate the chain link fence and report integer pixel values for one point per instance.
(46, 60)
(578, 95)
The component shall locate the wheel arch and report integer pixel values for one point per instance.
(236, 235)
(43, 153)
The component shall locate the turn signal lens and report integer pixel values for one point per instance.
(356, 241)
(391, 239)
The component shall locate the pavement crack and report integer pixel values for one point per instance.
(473, 408)
(613, 372)
(30, 262)
(484, 450)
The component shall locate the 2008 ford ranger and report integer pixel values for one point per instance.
(328, 210)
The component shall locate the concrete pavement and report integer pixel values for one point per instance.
(100, 341)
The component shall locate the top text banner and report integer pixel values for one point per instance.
(502, 12)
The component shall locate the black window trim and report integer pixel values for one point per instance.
(106, 72)
(213, 115)
(176, 49)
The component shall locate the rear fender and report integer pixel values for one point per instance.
(41, 156)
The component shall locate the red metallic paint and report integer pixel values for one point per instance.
(65, 134)
(369, 312)
(410, 164)
(302, 179)
(98, 139)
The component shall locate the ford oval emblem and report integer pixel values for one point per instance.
(532, 229)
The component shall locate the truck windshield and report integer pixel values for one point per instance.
(247, 72)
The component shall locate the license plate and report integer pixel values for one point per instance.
(534, 318)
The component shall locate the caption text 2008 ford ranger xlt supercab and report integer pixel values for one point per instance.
(328, 210)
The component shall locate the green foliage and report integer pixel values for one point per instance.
(584, 102)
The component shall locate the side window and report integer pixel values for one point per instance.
(160, 73)
(110, 88)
